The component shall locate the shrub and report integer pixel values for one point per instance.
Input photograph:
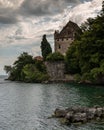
(56, 56)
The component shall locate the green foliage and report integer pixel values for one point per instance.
(98, 71)
(14, 74)
(72, 59)
(40, 66)
(7, 68)
(86, 26)
(56, 56)
(77, 77)
(32, 74)
(23, 59)
(85, 56)
(26, 69)
(18, 65)
(45, 47)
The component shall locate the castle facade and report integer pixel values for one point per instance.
(65, 37)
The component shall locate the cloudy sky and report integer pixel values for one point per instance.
(23, 22)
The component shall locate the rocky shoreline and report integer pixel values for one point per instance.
(79, 115)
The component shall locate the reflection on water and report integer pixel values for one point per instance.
(27, 106)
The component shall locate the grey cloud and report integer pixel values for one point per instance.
(17, 35)
(45, 7)
(39, 7)
(8, 20)
(8, 16)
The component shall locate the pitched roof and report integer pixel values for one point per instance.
(70, 25)
(39, 58)
(67, 30)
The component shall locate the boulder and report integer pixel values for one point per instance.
(91, 113)
(69, 115)
(103, 112)
(80, 114)
(59, 113)
(99, 112)
(79, 117)
(79, 109)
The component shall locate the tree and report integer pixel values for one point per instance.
(7, 69)
(87, 53)
(45, 47)
(26, 69)
(23, 59)
(72, 59)
(87, 25)
(18, 65)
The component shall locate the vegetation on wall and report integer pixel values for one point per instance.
(33, 74)
(86, 55)
(56, 56)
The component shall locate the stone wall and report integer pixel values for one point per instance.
(61, 45)
(55, 70)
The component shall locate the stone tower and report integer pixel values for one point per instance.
(65, 37)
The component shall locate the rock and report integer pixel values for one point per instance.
(45, 82)
(99, 112)
(80, 114)
(79, 109)
(79, 117)
(97, 118)
(60, 113)
(76, 109)
(91, 113)
(96, 106)
(77, 123)
(69, 115)
(50, 117)
(64, 121)
(103, 112)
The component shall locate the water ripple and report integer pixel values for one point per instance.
(27, 106)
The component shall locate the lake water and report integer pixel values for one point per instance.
(25, 106)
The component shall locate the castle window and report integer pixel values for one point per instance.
(57, 39)
(72, 38)
(62, 39)
(68, 32)
(59, 46)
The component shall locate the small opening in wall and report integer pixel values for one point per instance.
(59, 46)
(68, 32)
(72, 38)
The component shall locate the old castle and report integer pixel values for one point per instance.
(65, 37)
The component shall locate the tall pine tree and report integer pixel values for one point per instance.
(45, 47)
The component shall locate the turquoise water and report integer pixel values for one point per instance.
(27, 106)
